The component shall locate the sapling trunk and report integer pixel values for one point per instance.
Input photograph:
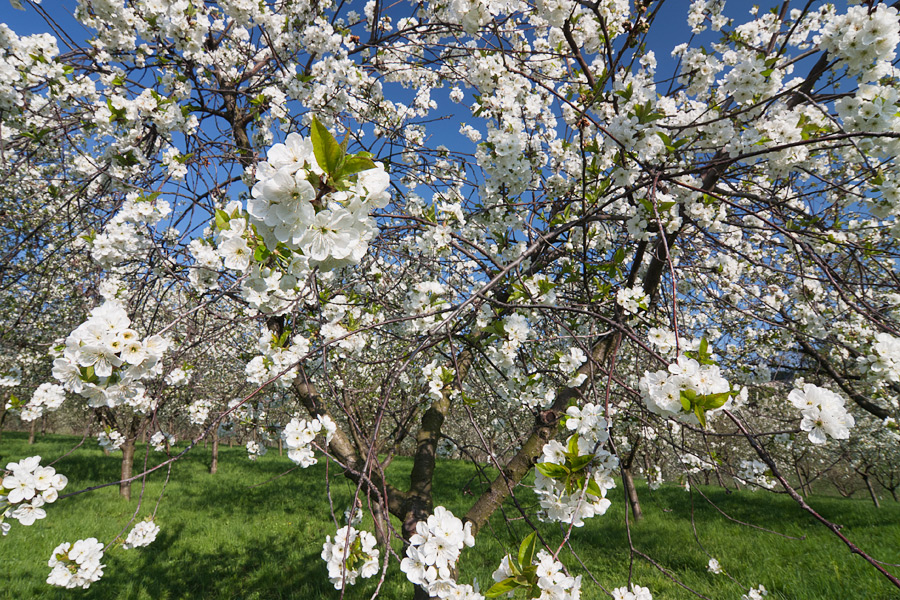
(871, 490)
(127, 468)
(214, 462)
(631, 493)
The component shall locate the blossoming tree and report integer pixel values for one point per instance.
(531, 231)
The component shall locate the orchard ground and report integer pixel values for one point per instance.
(254, 531)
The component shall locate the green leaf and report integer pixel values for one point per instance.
(222, 219)
(327, 150)
(573, 445)
(685, 402)
(701, 415)
(513, 567)
(261, 254)
(704, 347)
(594, 489)
(714, 401)
(355, 164)
(502, 587)
(526, 549)
(551, 470)
(580, 462)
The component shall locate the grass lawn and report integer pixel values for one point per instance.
(232, 535)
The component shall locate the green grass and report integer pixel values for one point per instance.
(227, 536)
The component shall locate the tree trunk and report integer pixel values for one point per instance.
(893, 492)
(127, 468)
(31, 432)
(3, 420)
(631, 493)
(803, 489)
(280, 448)
(214, 463)
(871, 490)
(382, 520)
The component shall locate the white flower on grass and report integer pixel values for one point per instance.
(351, 555)
(714, 567)
(143, 534)
(76, 565)
(27, 514)
(28, 487)
(755, 593)
(636, 593)
(199, 411)
(433, 551)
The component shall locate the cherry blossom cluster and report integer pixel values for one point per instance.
(178, 377)
(123, 237)
(25, 488)
(198, 411)
(635, 593)
(299, 434)
(76, 565)
(694, 464)
(110, 439)
(143, 534)
(667, 342)
(756, 472)
(552, 581)
(352, 554)
(571, 481)
(864, 39)
(824, 413)
(516, 331)
(291, 206)
(104, 360)
(255, 449)
(570, 362)
(757, 593)
(48, 397)
(426, 298)
(338, 312)
(160, 441)
(279, 357)
(688, 391)
(884, 361)
(438, 378)
(434, 550)
(11, 377)
(655, 478)
(632, 300)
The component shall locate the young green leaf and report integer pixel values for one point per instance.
(714, 401)
(580, 462)
(551, 470)
(526, 549)
(327, 150)
(222, 219)
(502, 587)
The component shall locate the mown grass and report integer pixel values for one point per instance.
(232, 535)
